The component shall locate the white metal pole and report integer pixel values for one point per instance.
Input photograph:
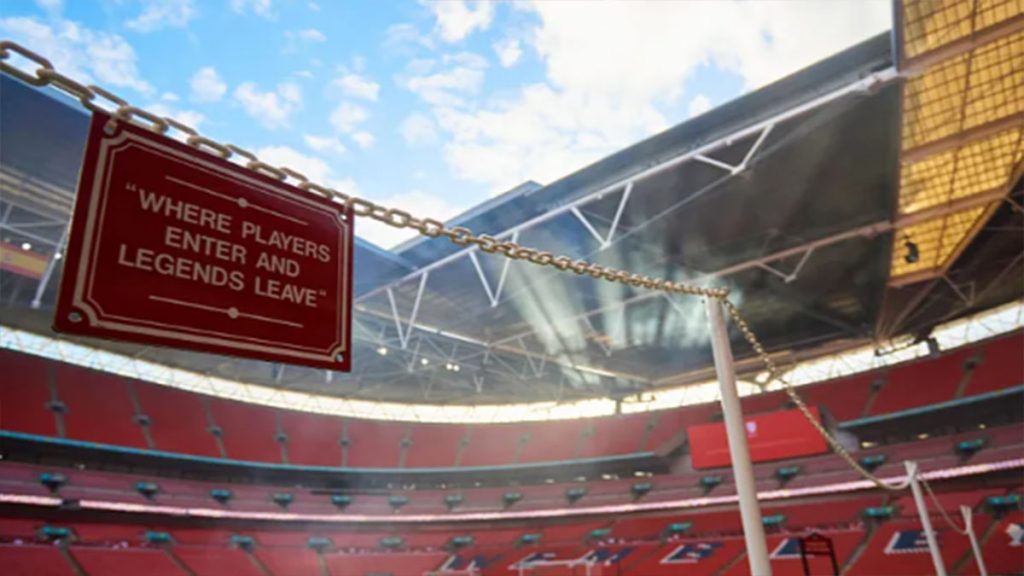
(969, 526)
(750, 512)
(926, 522)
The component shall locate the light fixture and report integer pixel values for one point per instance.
(424, 361)
(455, 367)
(382, 351)
(913, 253)
(26, 246)
(57, 255)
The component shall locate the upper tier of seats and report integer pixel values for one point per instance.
(43, 397)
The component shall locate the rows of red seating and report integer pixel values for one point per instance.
(1003, 443)
(104, 408)
(108, 549)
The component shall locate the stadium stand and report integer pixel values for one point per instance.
(433, 446)
(97, 561)
(182, 422)
(178, 422)
(246, 430)
(102, 412)
(374, 444)
(25, 395)
(1000, 366)
(313, 439)
(921, 383)
(633, 546)
(41, 560)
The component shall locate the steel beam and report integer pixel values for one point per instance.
(860, 86)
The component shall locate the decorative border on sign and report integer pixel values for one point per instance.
(83, 300)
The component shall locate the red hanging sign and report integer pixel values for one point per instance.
(172, 246)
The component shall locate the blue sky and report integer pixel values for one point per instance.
(434, 106)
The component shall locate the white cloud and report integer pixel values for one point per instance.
(313, 7)
(324, 144)
(314, 168)
(616, 72)
(207, 85)
(50, 5)
(509, 51)
(272, 109)
(347, 116)
(262, 8)
(157, 14)
(364, 139)
(191, 118)
(461, 75)
(426, 205)
(402, 37)
(418, 130)
(456, 19)
(356, 86)
(296, 39)
(699, 105)
(87, 55)
(169, 97)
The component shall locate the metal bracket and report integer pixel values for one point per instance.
(788, 278)
(605, 241)
(494, 295)
(403, 334)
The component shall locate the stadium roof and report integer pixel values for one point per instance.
(790, 196)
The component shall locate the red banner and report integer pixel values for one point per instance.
(170, 245)
(772, 436)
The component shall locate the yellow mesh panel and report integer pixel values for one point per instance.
(936, 240)
(991, 12)
(933, 103)
(965, 92)
(981, 166)
(945, 102)
(996, 85)
(931, 24)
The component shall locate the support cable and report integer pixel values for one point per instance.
(942, 512)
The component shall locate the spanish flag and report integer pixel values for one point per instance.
(23, 262)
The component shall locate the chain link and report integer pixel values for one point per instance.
(773, 373)
(942, 512)
(45, 75)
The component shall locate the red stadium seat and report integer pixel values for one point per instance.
(178, 421)
(248, 431)
(1001, 365)
(921, 383)
(99, 561)
(24, 394)
(99, 408)
(33, 560)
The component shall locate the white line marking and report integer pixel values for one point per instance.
(239, 201)
(230, 312)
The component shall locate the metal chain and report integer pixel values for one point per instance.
(46, 75)
(773, 374)
(942, 512)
